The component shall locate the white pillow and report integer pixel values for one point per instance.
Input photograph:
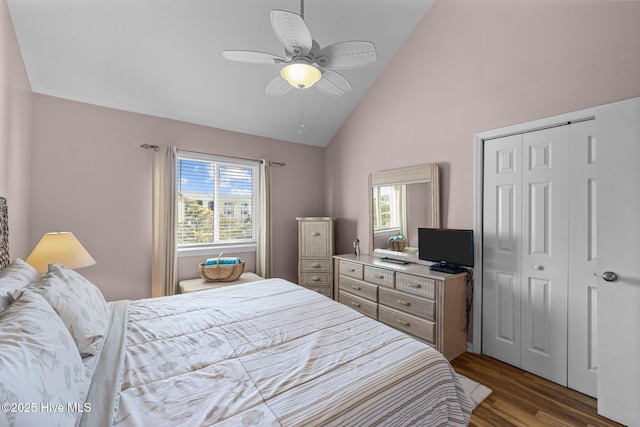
(39, 364)
(79, 303)
(17, 275)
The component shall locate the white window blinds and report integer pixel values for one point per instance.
(217, 201)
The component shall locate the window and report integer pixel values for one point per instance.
(228, 209)
(245, 213)
(206, 183)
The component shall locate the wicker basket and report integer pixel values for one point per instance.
(220, 273)
(397, 243)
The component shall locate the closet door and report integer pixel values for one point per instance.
(502, 249)
(582, 309)
(545, 253)
(525, 251)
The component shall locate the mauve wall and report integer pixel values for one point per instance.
(90, 176)
(471, 66)
(15, 136)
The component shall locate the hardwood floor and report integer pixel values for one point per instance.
(523, 399)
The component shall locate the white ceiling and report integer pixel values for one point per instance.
(163, 58)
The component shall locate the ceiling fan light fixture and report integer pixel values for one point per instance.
(300, 74)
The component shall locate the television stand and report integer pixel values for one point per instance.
(447, 268)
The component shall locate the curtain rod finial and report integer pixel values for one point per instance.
(147, 146)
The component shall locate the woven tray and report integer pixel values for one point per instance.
(220, 273)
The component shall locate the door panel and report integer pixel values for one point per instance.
(618, 235)
(539, 215)
(506, 222)
(502, 249)
(583, 296)
(508, 287)
(538, 297)
(544, 263)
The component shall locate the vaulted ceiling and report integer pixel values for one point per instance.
(163, 58)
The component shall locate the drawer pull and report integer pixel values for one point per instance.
(380, 276)
(407, 303)
(403, 323)
(355, 304)
(316, 265)
(315, 234)
(315, 278)
(357, 288)
(415, 285)
(353, 270)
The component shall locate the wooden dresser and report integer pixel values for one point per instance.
(315, 252)
(428, 305)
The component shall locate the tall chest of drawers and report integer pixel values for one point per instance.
(427, 305)
(315, 252)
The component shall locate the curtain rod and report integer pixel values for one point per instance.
(156, 148)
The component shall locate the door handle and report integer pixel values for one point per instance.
(538, 267)
(609, 276)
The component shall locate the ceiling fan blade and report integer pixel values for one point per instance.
(332, 83)
(278, 87)
(347, 55)
(252, 57)
(292, 31)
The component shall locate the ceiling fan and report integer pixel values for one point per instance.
(306, 64)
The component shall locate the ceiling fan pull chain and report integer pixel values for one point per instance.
(301, 114)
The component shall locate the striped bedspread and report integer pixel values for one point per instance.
(269, 353)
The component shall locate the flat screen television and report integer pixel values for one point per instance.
(448, 249)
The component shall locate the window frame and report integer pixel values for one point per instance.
(228, 246)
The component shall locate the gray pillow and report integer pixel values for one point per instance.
(78, 302)
(17, 275)
(38, 363)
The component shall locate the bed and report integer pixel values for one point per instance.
(266, 353)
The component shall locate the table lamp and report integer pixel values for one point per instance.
(60, 247)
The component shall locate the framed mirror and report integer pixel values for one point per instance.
(400, 202)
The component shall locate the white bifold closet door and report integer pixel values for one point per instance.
(583, 256)
(530, 226)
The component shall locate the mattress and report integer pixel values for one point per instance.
(265, 353)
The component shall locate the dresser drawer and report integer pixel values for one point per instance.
(315, 278)
(421, 307)
(416, 285)
(351, 269)
(420, 328)
(321, 289)
(315, 238)
(365, 307)
(379, 276)
(315, 264)
(356, 287)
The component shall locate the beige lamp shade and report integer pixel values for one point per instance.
(60, 247)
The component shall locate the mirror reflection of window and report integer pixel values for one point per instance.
(389, 206)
